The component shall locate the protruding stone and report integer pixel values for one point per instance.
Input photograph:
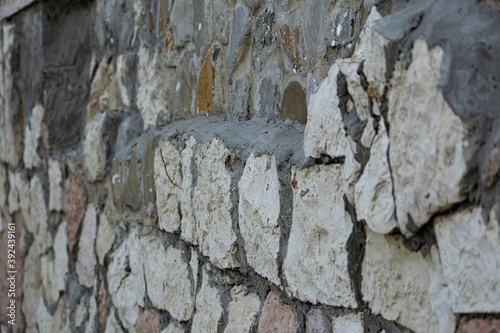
(259, 209)
(243, 310)
(31, 136)
(239, 38)
(294, 105)
(55, 186)
(181, 18)
(324, 133)
(168, 181)
(276, 317)
(105, 238)
(427, 166)
(469, 246)
(402, 286)
(320, 231)
(86, 257)
(73, 207)
(373, 192)
(168, 283)
(212, 205)
(316, 322)
(208, 308)
(205, 87)
(148, 322)
(351, 323)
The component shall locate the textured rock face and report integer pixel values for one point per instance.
(212, 206)
(468, 244)
(43, 238)
(349, 323)
(243, 310)
(55, 182)
(276, 317)
(259, 209)
(32, 134)
(73, 207)
(188, 223)
(427, 166)
(208, 308)
(86, 255)
(105, 238)
(320, 231)
(94, 150)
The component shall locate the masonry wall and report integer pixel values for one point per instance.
(250, 166)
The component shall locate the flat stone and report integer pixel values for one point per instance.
(200, 25)
(373, 192)
(147, 322)
(276, 317)
(90, 326)
(239, 37)
(43, 238)
(314, 31)
(242, 312)
(212, 206)
(404, 287)
(74, 202)
(469, 244)
(351, 171)
(105, 238)
(427, 166)
(218, 20)
(56, 197)
(47, 272)
(320, 231)
(168, 284)
(85, 264)
(94, 149)
(316, 322)
(148, 181)
(60, 321)
(239, 99)
(293, 105)
(324, 133)
(124, 66)
(478, 326)
(181, 19)
(31, 136)
(259, 209)
(188, 223)
(205, 87)
(101, 304)
(168, 179)
(351, 323)
(208, 308)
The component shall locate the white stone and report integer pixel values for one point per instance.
(324, 133)
(212, 206)
(403, 286)
(173, 328)
(55, 186)
(208, 308)
(259, 209)
(469, 247)
(31, 136)
(188, 223)
(243, 310)
(85, 265)
(122, 74)
(351, 323)
(351, 171)
(167, 280)
(90, 326)
(94, 150)
(105, 238)
(373, 192)
(349, 67)
(194, 263)
(427, 165)
(60, 260)
(316, 261)
(368, 133)
(43, 239)
(112, 325)
(19, 198)
(44, 318)
(168, 181)
(80, 312)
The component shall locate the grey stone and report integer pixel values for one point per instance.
(267, 100)
(185, 82)
(43, 238)
(182, 21)
(200, 25)
(265, 40)
(132, 195)
(351, 323)
(239, 99)
(85, 265)
(55, 186)
(188, 223)
(105, 238)
(32, 134)
(239, 38)
(314, 29)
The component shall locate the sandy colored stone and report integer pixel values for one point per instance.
(101, 304)
(205, 88)
(168, 181)
(74, 202)
(148, 322)
(31, 136)
(167, 280)
(404, 287)
(56, 199)
(47, 273)
(324, 133)
(105, 93)
(208, 308)
(351, 323)
(105, 238)
(212, 206)
(315, 266)
(259, 209)
(85, 264)
(479, 325)
(276, 317)
(468, 247)
(293, 105)
(243, 310)
(427, 165)
(188, 223)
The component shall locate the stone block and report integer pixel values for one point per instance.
(85, 264)
(277, 317)
(242, 312)
(208, 308)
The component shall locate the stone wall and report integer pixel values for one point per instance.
(223, 166)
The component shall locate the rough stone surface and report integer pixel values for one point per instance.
(427, 166)
(208, 308)
(324, 133)
(147, 322)
(43, 238)
(212, 206)
(86, 255)
(276, 317)
(94, 149)
(239, 37)
(320, 231)
(167, 280)
(350, 323)
(182, 21)
(316, 322)
(469, 244)
(239, 99)
(105, 238)
(259, 209)
(242, 312)
(478, 326)
(55, 186)
(402, 286)
(267, 97)
(60, 261)
(31, 136)
(373, 192)
(74, 202)
(188, 223)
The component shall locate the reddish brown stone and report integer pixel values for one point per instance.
(148, 322)
(293, 44)
(74, 202)
(479, 326)
(205, 88)
(315, 322)
(277, 317)
(102, 304)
